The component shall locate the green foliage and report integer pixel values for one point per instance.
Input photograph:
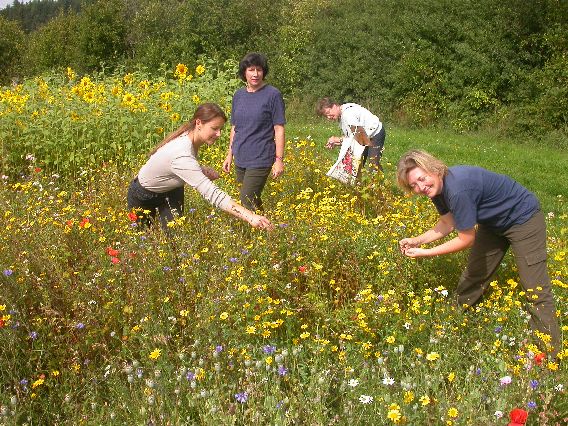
(103, 34)
(463, 64)
(53, 46)
(11, 46)
(32, 15)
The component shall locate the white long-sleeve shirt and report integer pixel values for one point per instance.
(356, 115)
(175, 164)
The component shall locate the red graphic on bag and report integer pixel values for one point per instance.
(348, 162)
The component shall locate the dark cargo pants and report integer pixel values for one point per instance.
(528, 242)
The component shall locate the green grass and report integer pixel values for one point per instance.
(541, 169)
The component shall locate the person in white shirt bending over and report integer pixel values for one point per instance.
(159, 185)
(354, 118)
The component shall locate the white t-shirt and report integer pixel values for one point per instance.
(356, 115)
(175, 164)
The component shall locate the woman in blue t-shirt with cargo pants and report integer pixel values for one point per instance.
(490, 212)
(257, 131)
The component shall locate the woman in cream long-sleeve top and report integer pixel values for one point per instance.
(160, 182)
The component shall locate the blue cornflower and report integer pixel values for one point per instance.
(242, 397)
(8, 272)
(282, 371)
(269, 349)
(531, 405)
(534, 384)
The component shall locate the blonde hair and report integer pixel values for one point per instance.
(418, 158)
(204, 112)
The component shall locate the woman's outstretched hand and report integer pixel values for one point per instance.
(261, 222)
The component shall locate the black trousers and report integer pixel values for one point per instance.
(374, 152)
(162, 204)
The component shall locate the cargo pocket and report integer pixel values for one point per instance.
(535, 257)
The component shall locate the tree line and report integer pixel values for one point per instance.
(495, 64)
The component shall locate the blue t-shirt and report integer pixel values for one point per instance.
(254, 115)
(477, 196)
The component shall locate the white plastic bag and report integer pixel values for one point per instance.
(348, 164)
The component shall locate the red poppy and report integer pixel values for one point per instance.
(132, 216)
(518, 417)
(37, 169)
(303, 269)
(112, 252)
(539, 358)
(2, 323)
(115, 260)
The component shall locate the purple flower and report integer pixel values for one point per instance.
(219, 348)
(282, 371)
(531, 405)
(269, 349)
(79, 326)
(534, 384)
(167, 269)
(24, 382)
(8, 272)
(190, 376)
(242, 397)
(233, 259)
(33, 335)
(244, 251)
(192, 210)
(498, 329)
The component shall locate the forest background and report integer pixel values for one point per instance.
(497, 66)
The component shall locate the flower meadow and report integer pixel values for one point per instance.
(320, 321)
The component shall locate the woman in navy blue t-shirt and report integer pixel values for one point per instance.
(257, 131)
(490, 212)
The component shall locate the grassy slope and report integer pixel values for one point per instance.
(541, 169)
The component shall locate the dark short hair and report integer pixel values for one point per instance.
(253, 59)
(323, 104)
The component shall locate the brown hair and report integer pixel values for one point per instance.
(204, 112)
(417, 158)
(324, 103)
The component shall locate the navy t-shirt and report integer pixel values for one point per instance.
(254, 115)
(477, 196)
